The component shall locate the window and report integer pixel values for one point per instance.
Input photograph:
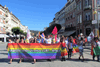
(80, 5)
(71, 17)
(73, 14)
(99, 15)
(71, 25)
(86, 2)
(80, 18)
(98, 2)
(86, 17)
(1, 29)
(68, 17)
(77, 7)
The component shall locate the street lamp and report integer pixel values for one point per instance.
(96, 18)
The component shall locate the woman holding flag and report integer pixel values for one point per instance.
(10, 41)
(63, 46)
(47, 41)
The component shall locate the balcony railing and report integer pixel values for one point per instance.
(87, 22)
(87, 7)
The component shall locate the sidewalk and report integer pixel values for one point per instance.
(3, 42)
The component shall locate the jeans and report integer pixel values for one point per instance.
(69, 53)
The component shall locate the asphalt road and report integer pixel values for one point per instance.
(74, 62)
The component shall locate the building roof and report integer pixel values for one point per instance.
(9, 11)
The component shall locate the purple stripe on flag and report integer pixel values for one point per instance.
(34, 57)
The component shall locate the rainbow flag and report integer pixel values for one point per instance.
(75, 48)
(42, 41)
(34, 51)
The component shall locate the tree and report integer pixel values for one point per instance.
(21, 32)
(16, 30)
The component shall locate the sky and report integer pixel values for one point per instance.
(36, 14)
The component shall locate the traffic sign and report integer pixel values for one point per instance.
(94, 22)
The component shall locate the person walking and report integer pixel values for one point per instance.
(10, 41)
(89, 40)
(98, 44)
(21, 41)
(63, 46)
(81, 48)
(95, 44)
(70, 47)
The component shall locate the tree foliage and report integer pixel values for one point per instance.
(16, 30)
(21, 32)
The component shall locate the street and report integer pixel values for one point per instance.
(74, 62)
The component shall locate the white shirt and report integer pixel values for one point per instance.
(48, 41)
(88, 38)
(66, 42)
(98, 43)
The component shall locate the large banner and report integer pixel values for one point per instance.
(35, 51)
(96, 50)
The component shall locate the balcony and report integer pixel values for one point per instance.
(87, 22)
(88, 7)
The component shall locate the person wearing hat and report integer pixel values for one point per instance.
(81, 36)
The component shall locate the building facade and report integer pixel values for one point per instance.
(88, 9)
(70, 13)
(9, 20)
(77, 16)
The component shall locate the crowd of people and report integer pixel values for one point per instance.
(66, 42)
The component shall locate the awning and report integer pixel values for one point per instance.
(68, 33)
(3, 35)
(61, 31)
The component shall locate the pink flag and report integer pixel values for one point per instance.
(55, 32)
(56, 37)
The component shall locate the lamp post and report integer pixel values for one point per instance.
(96, 18)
